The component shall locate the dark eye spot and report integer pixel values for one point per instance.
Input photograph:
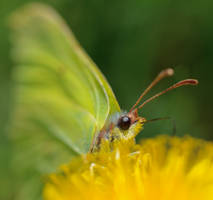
(124, 123)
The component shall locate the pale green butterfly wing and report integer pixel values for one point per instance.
(62, 99)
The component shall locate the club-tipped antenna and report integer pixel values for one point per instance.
(163, 74)
(176, 85)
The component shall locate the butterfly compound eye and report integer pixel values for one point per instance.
(124, 123)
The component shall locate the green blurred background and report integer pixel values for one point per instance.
(131, 41)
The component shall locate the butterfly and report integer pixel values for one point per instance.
(63, 104)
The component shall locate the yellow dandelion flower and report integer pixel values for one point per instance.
(162, 168)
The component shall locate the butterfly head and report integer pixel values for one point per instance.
(122, 126)
(130, 124)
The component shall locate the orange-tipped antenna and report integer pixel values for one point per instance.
(181, 83)
(163, 74)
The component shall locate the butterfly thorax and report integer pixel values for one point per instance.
(120, 126)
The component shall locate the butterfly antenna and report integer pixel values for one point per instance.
(163, 74)
(176, 85)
